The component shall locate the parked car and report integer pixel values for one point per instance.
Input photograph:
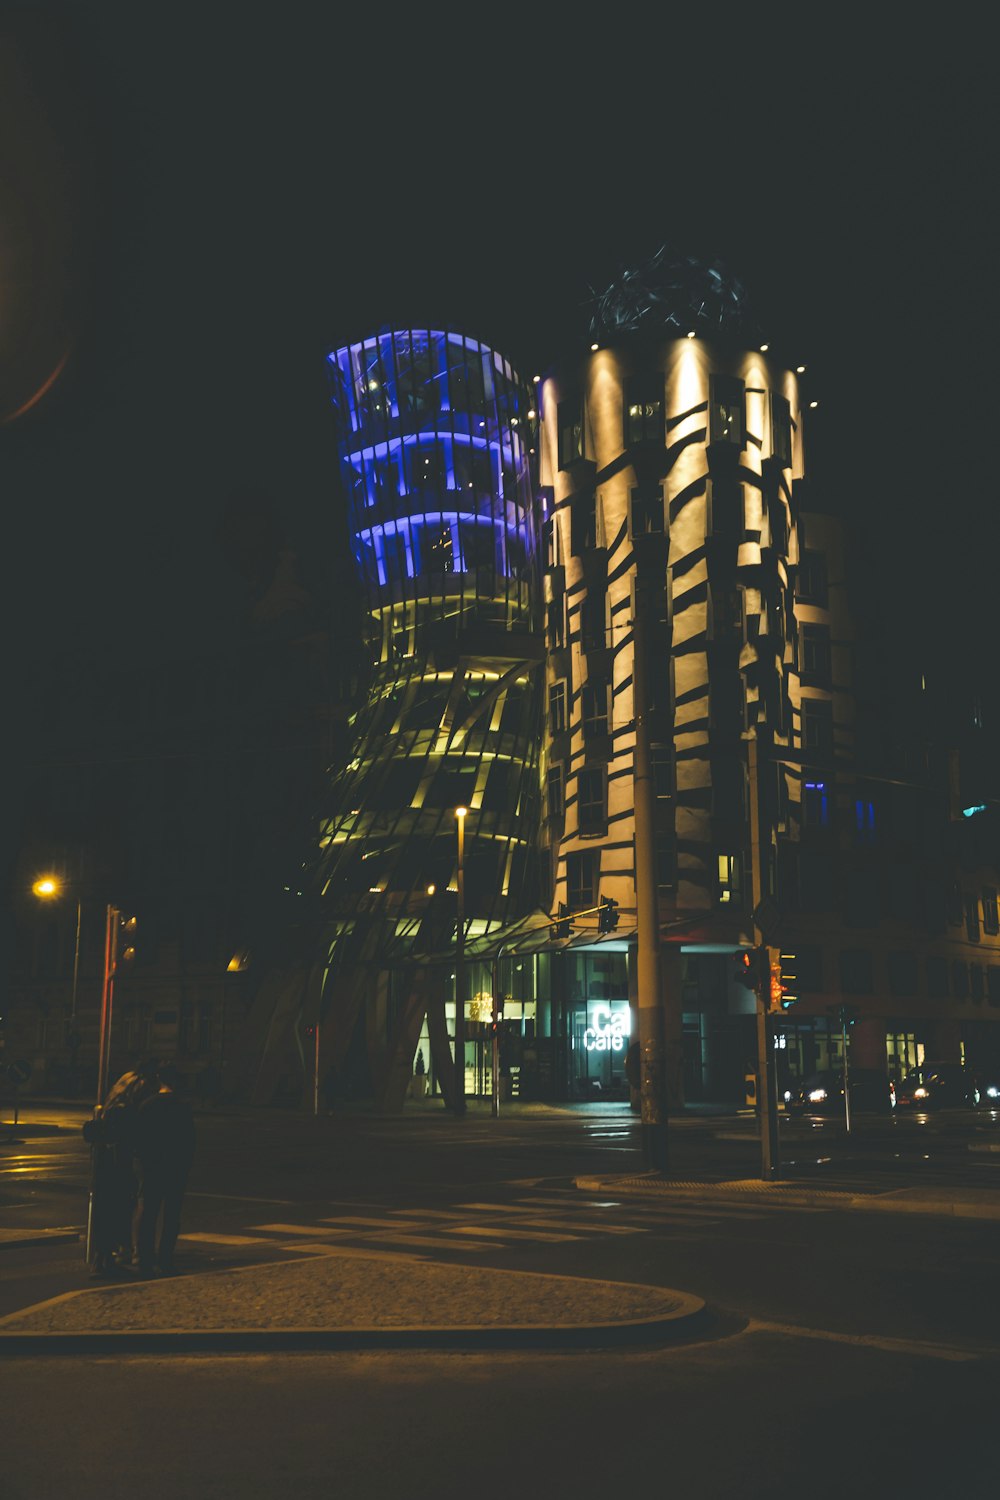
(823, 1093)
(938, 1085)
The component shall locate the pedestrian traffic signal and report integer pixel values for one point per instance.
(607, 917)
(751, 967)
(783, 995)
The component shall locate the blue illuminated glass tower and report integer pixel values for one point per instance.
(436, 441)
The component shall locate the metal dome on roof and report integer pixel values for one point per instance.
(672, 293)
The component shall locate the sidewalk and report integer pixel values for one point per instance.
(958, 1202)
(347, 1299)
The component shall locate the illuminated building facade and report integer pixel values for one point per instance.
(435, 433)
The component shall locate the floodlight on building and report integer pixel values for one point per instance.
(461, 812)
(532, 414)
(813, 405)
(594, 347)
(692, 334)
(800, 369)
(431, 889)
(536, 378)
(764, 348)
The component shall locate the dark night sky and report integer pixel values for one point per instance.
(267, 183)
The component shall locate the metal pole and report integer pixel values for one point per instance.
(847, 1078)
(649, 968)
(495, 1085)
(76, 960)
(460, 813)
(766, 1093)
(103, 1056)
(316, 1074)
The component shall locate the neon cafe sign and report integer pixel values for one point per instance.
(609, 1030)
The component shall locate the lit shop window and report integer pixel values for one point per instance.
(570, 419)
(727, 421)
(815, 804)
(729, 878)
(644, 410)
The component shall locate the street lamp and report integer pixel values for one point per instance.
(49, 888)
(460, 815)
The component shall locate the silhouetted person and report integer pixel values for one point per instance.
(164, 1151)
(112, 1135)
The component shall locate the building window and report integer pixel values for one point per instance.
(581, 881)
(781, 430)
(936, 970)
(956, 906)
(810, 584)
(814, 654)
(815, 804)
(725, 508)
(856, 971)
(594, 708)
(726, 415)
(725, 613)
(554, 792)
(902, 973)
(643, 410)
(808, 969)
(960, 980)
(976, 981)
(646, 503)
(583, 523)
(817, 728)
(554, 635)
(729, 883)
(570, 420)
(593, 622)
(993, 984)
(972, 919)
(991, 924)
(592, 810)
(557, 707)
(864, 820)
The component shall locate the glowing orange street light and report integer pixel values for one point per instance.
(46, 887)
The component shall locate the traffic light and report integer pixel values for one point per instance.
(607, 917)
(561, 929)
(128, 928)
(782, 993)
(751, 967)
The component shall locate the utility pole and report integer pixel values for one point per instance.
(767, 1104)
(460, 814)
(649, 968)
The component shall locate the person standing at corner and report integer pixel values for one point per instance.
(164, 1151)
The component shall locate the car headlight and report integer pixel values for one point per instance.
(993, 1092)
(920, 1094)
(816, 1096)
(788, 1095)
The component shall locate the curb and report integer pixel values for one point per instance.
(41, 1237)
(686, 1318)
(641, 1187)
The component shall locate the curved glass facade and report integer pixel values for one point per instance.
(434, 439)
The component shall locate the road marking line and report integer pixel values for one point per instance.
(354, 1252)
(304, 1229)
(352, 1223)
(430, 1242)
(225, 1239)
(512, 1234)
(238, 1198)
(592, 1228)
(921, 1347)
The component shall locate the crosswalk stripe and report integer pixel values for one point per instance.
(512, 1234)
(315, 1229)
(557, 1221)
(356, 1221)
(431, 1242)
(225, 1239)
